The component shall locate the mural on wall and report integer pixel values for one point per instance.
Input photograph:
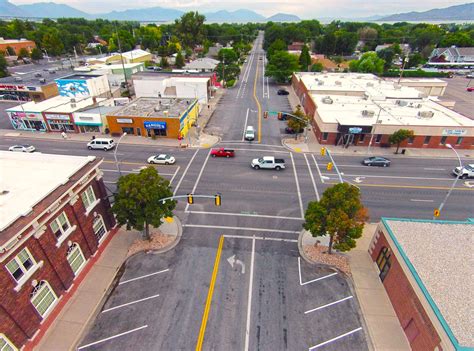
(73, 88)
(27, 121)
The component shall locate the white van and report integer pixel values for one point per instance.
(249, 133)
(101, 144)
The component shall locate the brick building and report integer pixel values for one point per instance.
(16, 45)
(55, 216)
(358, 109)
(426, 269)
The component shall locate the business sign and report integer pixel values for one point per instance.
(124, 120)
(355, 130)
(13, 87)
(56, 116)
(455, 132)
(154, 125)
(73, 87)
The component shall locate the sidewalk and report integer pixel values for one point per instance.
(81, 303)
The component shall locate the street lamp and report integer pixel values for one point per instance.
(115, 154)
(449, 146)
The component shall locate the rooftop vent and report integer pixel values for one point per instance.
(397, 86)
(327, 100)
(157, 108)
(370, 84)
(42, 80)
(401, 103)
(365, 96)
(425, 114)
(368, 113)
(338, 82)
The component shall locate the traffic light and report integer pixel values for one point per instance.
(323, 151)
(265, 114)
(280, 115)
(217, 200)
(436, 212)
(329, 166)
(190, 199)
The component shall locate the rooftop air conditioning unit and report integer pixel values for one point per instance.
(397, 86)
(370, 84)
(156, 108)
(401, 103)
(338, 82)
(327, 100)
(425, 114)
(368, 113)
(73, 100)
(73, 105)
(365, 96)
(42, 80)
(320, 82)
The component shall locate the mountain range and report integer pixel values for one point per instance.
(463, 12)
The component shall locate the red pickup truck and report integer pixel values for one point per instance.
(221, 152)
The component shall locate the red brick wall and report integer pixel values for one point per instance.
(406, 304)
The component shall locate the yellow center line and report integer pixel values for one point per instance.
(258, 106)
(406, 186)
(207, 308)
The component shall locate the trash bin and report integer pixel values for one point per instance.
(403, 151)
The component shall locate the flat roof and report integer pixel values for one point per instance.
(77, 76)
(28, 77)
(50, 172)
(55, 104)
(439, 254)
(161, 74)
(154, 107)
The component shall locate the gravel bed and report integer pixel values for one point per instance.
(158, 241)
(319, 254)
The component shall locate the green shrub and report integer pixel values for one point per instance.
(230, 83)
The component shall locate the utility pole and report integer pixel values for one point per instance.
(121, 57)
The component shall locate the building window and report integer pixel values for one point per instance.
(383, 262)
(60, 225)
(427, 140)
(128, 130)
(411, 140)
(88, 197)
(75, 257)
(361, 138)
(99, 228)
(378, 138)
(21, 264)
(43, 298)
(325, 136)
(459, 140)
(443, 140)
(5, 344)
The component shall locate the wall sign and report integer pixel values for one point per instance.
(56, 116)
(124, 120)
(154, 125)
(456, 132)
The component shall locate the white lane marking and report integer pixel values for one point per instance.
(297, 186)
(249, 298)
(388, 177)
(246, 142)
(317, 167)
(174, 175)
(130, 303)
(185, 171)
(260, 238)
(434, 169)
(109, 182)
(312, 178)
(334, 339)
(199, 177)
(132, 171)
(329, 304)
(245, 124)
(241, 228)
(262, 150)
(242, 215)
(421, 200)
(314, 280)
(143, 276)
(268, 90)
(112, 337)
(299, 270)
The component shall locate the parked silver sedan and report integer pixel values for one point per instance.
(22, 148)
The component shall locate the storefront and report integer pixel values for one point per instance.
(60, 122)
(27, 120)
(88, 122)
(155, 128)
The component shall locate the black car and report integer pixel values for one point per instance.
(289, 130)
(282, 116)
(283, 92)
(377, 161)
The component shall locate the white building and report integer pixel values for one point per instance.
(202, 64)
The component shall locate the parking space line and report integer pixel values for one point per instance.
(210, 292)
(174, 175)
(312, 178)
(314, 280)
(249, 299)
(334, 339)
(297, 186)
(112, 337)
(130, 303)
(260, 238)
(199, 177)
(143, 276)
(317, 167)
(245, 125)
(329, 304)
(241, 228)
(243, 215)
(185, 171)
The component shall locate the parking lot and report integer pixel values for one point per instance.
(240, 292)
(456, 91)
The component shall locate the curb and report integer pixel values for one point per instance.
(300, 248)
(174, 243)
(285, 145)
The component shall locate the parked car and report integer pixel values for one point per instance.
(289, 130)
(105, 144)
(470, 89)
(377, 161)
(162, 159)
(249, 133)
(222, 152)
(470, 75)
(268, 162)
(466, 172)
(22, 148)
(282, 92)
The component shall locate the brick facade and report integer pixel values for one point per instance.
(414, 320)
(19, 319)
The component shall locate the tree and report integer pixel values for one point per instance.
(305, 59)
(387, 55)
(227, 56)
(277, 45)
(23, 53)
(179, 60)
(367, 34)
(415, 60)
(298, 124)
(339, 214)
(368, 63)
(281, 66)
(317, 67)
(137, 202)
(399, 136)
(10, 51)
(52, 43)
(164, 62)
(3, 66)
(191, 29)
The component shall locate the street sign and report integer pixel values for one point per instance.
(273, 113)
(436, 213)
(355, 130)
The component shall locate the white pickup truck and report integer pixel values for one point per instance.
(268, 162)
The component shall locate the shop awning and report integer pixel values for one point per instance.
(94, 124)
(154, 125)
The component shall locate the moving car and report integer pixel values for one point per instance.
(249, 133)
(289, 130)
(222, 152)
(105, 144)
(377, 161)
(283, 92)
(470, 88)
(22, 148)
(466, 172)
(470, 75)
(268, 162)
(162, 159)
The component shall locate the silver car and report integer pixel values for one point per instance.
(22, 148)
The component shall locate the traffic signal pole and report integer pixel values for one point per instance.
(190, 198)
(335, 166)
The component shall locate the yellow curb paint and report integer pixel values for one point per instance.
(205, 145)
(297, 149)
(210, 292)
(169, 219)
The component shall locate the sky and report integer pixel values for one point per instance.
(305, 9)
